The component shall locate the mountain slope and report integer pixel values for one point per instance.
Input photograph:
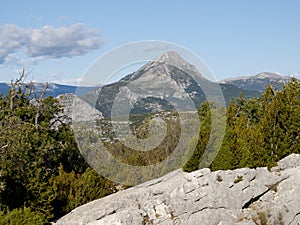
(4, 88)
(258, 82)
(170, 78)
(52, 90)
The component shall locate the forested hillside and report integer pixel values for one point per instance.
(259, 132)
(43, 175)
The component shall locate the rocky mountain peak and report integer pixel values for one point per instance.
(167, 77)
(166, 62)
(160, 65)
(172, 58)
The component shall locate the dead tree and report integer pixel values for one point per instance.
(16, 85)
(18, 89)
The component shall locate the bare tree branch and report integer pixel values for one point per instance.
(39, 105)
(14, 85)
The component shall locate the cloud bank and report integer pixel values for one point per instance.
(47, 41)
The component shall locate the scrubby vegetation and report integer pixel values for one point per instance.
(43, 175)
(259, 131)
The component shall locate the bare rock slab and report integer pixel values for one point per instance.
(242, 196)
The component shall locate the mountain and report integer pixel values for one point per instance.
(78, 109)
(52, 90)
(243, 197)
(4, 88)
(258, 82)
(162, 84)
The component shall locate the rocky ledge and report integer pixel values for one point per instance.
(242, 196)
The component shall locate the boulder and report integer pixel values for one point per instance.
(243, 196)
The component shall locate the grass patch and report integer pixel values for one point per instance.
(238, 179)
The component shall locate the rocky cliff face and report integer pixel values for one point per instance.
(78, 109)
(242, 196)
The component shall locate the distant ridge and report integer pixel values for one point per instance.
(53, 89)
(257, 82)
(172, 65)
(262, 75)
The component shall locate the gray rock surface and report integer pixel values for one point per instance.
(78, 109)
(242, 196)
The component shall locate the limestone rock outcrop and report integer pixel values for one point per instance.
(242, 196)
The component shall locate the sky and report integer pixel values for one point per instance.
(56, 41)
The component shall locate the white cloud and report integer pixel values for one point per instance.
(47, 41)
(71, 81)
(15, 60)
(12, 59)
(12, 38)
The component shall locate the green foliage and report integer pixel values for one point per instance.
(43, 175)
(205, 118)
(22, 216)
(259, 131)
(72, 190)
(34, 147)
(212, 120)
(146, 126)
(238, 179)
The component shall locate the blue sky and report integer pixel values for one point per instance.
(58, 40)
